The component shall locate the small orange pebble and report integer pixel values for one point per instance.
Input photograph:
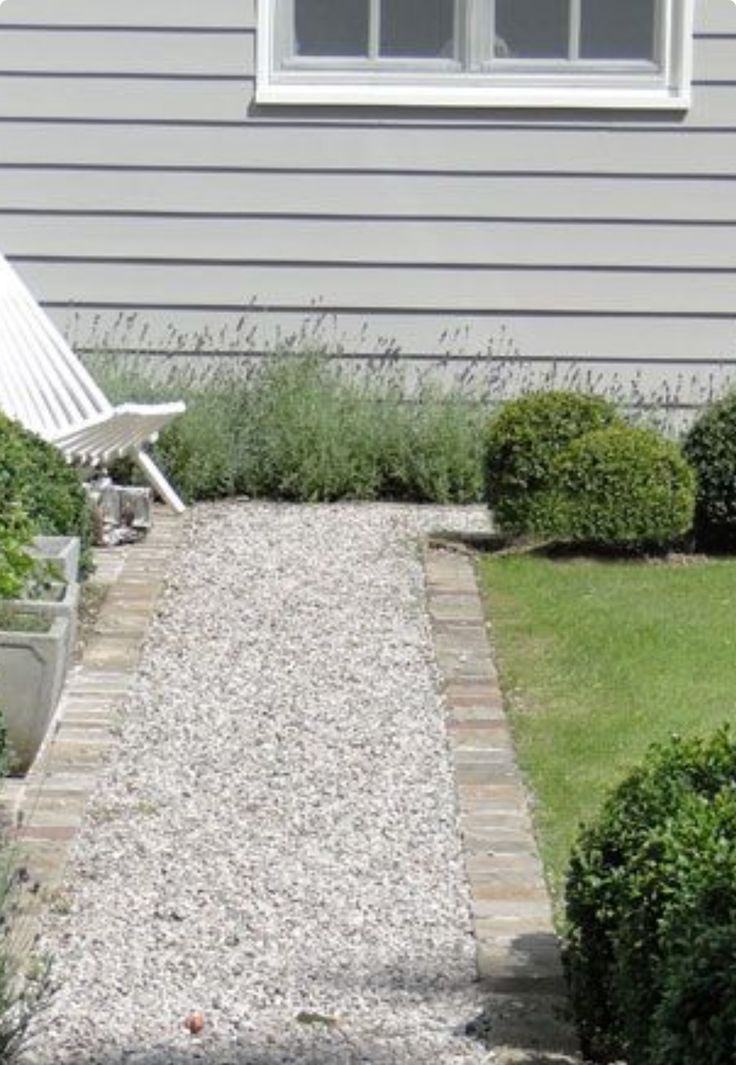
(194, 1022)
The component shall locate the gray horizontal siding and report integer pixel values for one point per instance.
(140, 99)
(218, 54)
(714, 16)
(145, 13)
(382, 286)
(255, 146)
(140, 184)
(213, 100)
(367, 195)
(686, 341)
(452, 242)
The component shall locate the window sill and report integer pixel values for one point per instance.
(487, 96)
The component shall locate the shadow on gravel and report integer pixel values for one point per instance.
(335, 1051)
(527, 1018)
(524, 1021)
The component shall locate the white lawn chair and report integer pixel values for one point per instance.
(44, 386)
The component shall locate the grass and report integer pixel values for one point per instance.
(599, 659)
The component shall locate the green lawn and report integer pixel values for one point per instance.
(600, 658)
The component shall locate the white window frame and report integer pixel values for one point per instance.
(497, 83)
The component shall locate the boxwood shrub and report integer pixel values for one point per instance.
(622, 486)
(16, 564)
(694, 1020)
(35, 475)
(565, 466)
(524, 444)
(710, 446)
(651, 886)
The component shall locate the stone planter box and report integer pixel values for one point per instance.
(33, 664)
(63, 550)
(32, 671)
(63, 602)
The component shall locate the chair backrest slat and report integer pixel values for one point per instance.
(85, 392)
(35, 407)
(42, 382)
(40, 373)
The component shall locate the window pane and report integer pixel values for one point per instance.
(331, 27)
(424, 28)
(617, 29)
(532, 29)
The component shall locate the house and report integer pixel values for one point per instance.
(553, 181)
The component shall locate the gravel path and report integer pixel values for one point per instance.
(276, 833)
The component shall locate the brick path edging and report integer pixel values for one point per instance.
(44, 810)
(517, 951)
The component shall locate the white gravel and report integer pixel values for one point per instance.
(276, 832)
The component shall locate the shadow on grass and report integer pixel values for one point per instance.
(494, 543)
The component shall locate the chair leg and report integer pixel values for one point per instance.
(158, 481)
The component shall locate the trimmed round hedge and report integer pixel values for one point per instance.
(35, 475)
(566, 467)
(651, 903)
(623, 486)
(710, 446)
(524, 444)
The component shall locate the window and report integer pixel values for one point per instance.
(468, 53)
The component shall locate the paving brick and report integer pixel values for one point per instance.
(524, 861)
(466, 753)
(496, 840)
(47, 832)
(115, 653)
(502, 928)
(76, 724)
(507, 966)
(94, 681)
(477, 795)
(481, 731)
(456, 610)
(487, 715)
(485, 774)
(452, 636)
(508, 884)
(467, 691)
(535, 905)
(499, 820)
(66, 782)
(125, 622)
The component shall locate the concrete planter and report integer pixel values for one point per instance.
(63, 602)
(63, 550)
(33, 665)
(32, 671)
